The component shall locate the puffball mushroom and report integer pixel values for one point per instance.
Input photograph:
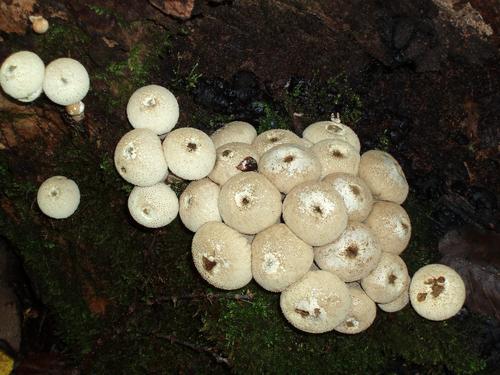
(222, 256)
(39, 24)
(153, 107)
(361, 314)
(317, 303)
(190, 153)
(391, 225)
(288, 165)
(139, 158)
(315, 212)
(333, 129)
(58, 197)
(388, 280)
(66, 81)
(396, 305)
(249, 203)
(272, 138)
(383, 174)
(233, 158)
(336, 156)
(21, 76)
(352, 256)
(279, 258)
(153, 206)
(199, 204)
(235, 131)
(437, 292)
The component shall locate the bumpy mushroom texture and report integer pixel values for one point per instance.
(21, 76)
(274, 137)
(355, 192)
(437, 292)
(66, 81)
(383, 174)
(336, 156)
(153, 107)
(58, 197)
(279, 258)
(233, 158)
(315, 212)
(388, 280)
(319, 131)
(352, 256)
(153, 206)
(317, 303)
(222, 256)
(396, 305)
(139, 158)
(199, 204)
(391, 225)
(190, 153)
(249, 203)
(361, 314)
(235, 131)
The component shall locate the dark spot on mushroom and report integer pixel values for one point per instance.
(352, 251)
(191, 146)
(208, 264)
(441, 279)
(245, 201)
(302, 313)
(437, 290)
(288, 159)
(247, 165)
(317, 210)
(226, 152)
(349, 324)
(273, 139)
(123, 169)
(392, 279)
(317, 312)
(337, 154)
(355, 189)
(421, 297)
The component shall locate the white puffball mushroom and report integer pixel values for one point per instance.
(336, 156)
(39, 24)
(58, 197)
(437, 292)
(66, 81)
(153, 206)
(139, 158)
(317, 303)
(190, 153)
(333, 129)
(274, 137)
(396, 305)
(21, 76)
(199, 204)
(153, 107)
(233, 158)
(361, 314)
(235, 131)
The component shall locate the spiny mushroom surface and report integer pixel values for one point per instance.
(21, 76)
(58, 197)
(233, 158)
(153, 206)
(334, 129)
(361, 314)
(336, 156)
(235, 131)
(396, 305)
(272, 138)
(199, 204)
(66, 81)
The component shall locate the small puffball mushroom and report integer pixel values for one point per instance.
(139, 158)
(153, 107)
(222, 256)
(235, 131)
(361, 314)
(355, 192)
(336, 156)
(39, 24)
(396, 305)
(249, 203)
(391, 225)
(315, 212)
(388, 280)
(153, 206)
(199, 204)
(58, 197)
(190, 153)
(279, 258)
(352, 256)
(288, 165)
(383, 174)
(437, 292)
(272, 138)
(76, 111)
(317, 303)
(334, 129)
(21, 76)
(233, 158)
(66, 81)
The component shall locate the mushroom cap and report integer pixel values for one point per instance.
(437, 292)
(222, 256)
(21, 76)
(274, 137)
(391, 225)
(383, 174)
(249, 203)
(139, 158)
(199, 204)
(322, 130)
(317, 303)
(388, 280)
(336, 156)
(235, 131)
(66, 81)
(190, 153)
(233, 158)
(153, 206)
(315, 212)
(288, 165)
(396, 305)
(279, 258)
(153, 107)
(58, 197)
(355, 192)
(352, 256)
(361, 314)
